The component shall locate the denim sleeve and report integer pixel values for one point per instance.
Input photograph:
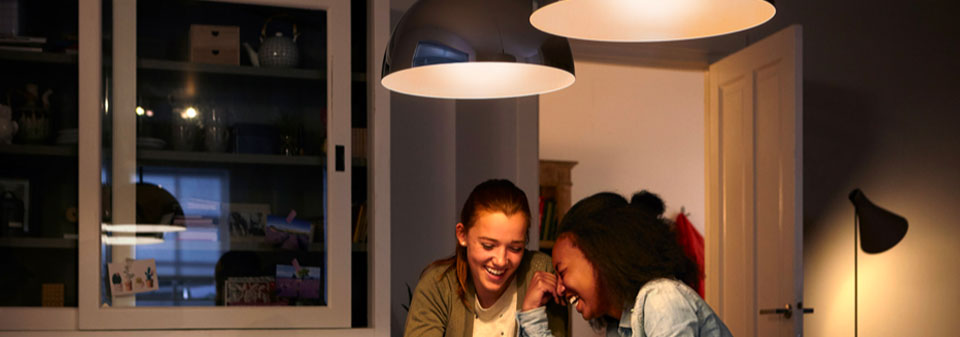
(533, 323)
(665, 312)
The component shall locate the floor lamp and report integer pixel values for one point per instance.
(879, 230)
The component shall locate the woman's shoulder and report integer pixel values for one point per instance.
(667, 295)
(666, 287)
(538, 261)
(439, 273)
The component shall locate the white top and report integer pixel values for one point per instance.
(500, 318)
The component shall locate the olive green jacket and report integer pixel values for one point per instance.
(436, 310)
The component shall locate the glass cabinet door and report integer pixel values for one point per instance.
(225, 166)
(38, 159)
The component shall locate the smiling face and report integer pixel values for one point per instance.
(578, 281)
(495, 245)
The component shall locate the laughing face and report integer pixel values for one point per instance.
(495, 245)
(578, 281)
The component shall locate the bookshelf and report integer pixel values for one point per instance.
(555, 200)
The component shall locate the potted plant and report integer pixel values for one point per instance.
(149, 275)
(117, 280)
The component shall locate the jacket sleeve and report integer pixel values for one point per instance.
(429, 307)
(557, 315)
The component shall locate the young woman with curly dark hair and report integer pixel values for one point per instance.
(620, 266)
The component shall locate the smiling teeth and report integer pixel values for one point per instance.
(573, 300)
(495, 271)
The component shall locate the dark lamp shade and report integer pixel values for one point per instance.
(158, 211)
(474, 49)
(649, 20)
(880, 229)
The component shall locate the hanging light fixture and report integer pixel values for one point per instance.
(474, 49)
(158, 211)
(649, 20)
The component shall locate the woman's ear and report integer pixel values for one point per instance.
(461, 234)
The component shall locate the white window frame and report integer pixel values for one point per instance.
(336, 314)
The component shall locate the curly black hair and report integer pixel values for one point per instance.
(627, 244)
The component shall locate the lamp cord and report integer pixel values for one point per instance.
(856, 252)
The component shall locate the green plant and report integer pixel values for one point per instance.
(148, 273)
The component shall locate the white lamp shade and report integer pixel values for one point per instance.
(649, 20)
(478, 80)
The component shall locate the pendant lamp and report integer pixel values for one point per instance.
(474, 49)
(648, 20)
(158, 211)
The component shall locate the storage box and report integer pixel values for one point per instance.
(215, 44)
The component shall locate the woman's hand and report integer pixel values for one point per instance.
(543, 287)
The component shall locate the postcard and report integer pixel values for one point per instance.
(298, 281)
(133, 276)
(288, 233)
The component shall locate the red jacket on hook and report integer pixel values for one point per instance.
(692, 242)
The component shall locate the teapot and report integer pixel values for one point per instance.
(275, 51)
(8, 127)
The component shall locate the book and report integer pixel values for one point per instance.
(7, 39)
(360, 228)
(21, 48)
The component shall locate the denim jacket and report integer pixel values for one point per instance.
(663, 308)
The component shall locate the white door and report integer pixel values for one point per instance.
(754, 198)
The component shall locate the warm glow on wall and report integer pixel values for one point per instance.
(649, 20)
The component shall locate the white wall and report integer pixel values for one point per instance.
(423, 185)
(630, 128)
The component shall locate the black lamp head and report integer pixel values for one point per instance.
(880, 229)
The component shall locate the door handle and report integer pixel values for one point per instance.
(786, 311)
(804, 310)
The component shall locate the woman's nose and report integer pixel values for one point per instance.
(560, 287)
(500, 257)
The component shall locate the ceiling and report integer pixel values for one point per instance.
(691, 54)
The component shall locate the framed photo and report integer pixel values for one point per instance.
(15, 194)
(247, 222)
(258, 290)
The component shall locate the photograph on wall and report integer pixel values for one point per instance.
(133, 276)
(288, 233)
(300, 284)
(255, 290)
(247, 223)
(15, 214)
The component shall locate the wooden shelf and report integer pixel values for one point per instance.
(181, 156)
(229, 158)
(28, 242)
(180, 66)
(231, 69)
(40, 150)
(555, 184)
(237, 158)
(314, 247)
(39, 57)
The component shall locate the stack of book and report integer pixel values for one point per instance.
(22, 43)
(548, 219)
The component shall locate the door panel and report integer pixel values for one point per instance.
(753, 196)
(738, 223)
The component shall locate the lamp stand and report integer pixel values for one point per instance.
(856, 252)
